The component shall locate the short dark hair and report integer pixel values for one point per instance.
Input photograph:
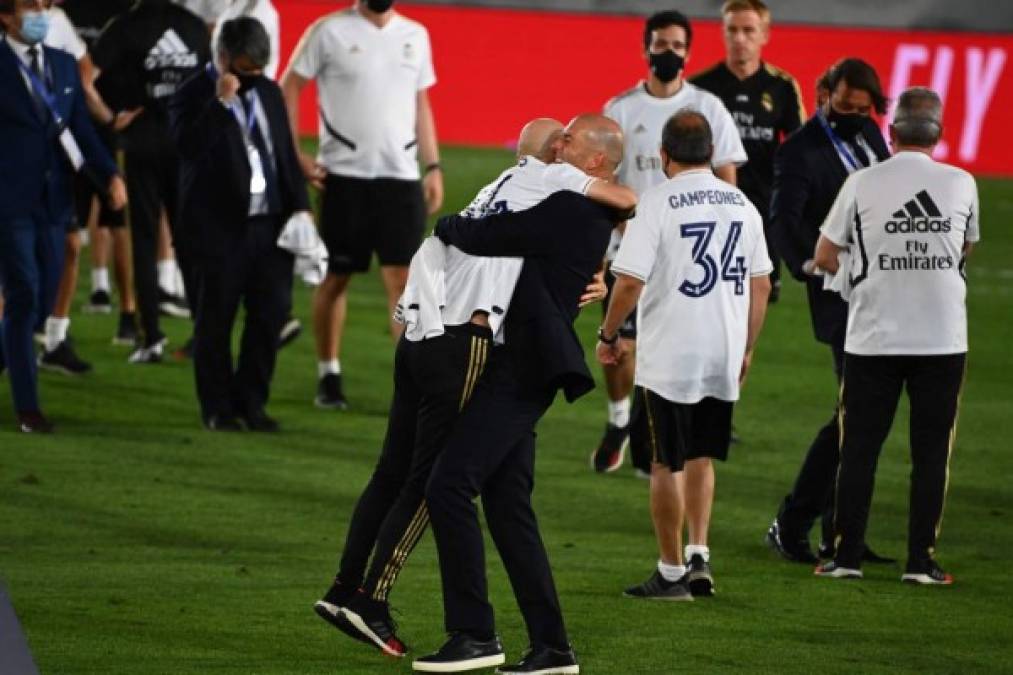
(665, 19)
(918, 118)
(687, 138)
(858, 74)
(6, 7)
(245, 36)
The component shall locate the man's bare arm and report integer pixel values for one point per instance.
(727, 172)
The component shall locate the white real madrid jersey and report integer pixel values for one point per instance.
(905, 222)
(642, 118)
(459, 284)
(368, 79)
(695, 243)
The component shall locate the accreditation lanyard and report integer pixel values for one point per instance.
(851, 164)
(67, 141)
(247, 123)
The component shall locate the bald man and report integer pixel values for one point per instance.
(491, 450)
(453, 310)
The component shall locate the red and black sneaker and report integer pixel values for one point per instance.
(927, 573)
(369, 620)
(609, 455)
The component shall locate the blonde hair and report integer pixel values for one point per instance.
(757, 6)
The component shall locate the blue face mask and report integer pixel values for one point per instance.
(34, 27)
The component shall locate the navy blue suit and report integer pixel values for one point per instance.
(36, 203)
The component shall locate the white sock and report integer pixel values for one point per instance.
(178, 287)
(167, 275)
(671, 572)
(704, 551)
(619, 412)
(56, 331)
(100, 279)
(328, 367)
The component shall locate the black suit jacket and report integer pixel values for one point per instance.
(807, 177)
(563, 241)
(215, 171)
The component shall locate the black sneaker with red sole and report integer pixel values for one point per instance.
(608, 457)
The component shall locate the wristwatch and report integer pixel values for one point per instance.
(604, 340)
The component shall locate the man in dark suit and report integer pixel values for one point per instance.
(240, 183)
(491, 450)
(46, 135)
(809, 169)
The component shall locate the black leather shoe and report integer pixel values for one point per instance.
(222, 423)
(791, 547)
(258, 420)
(34, 422)
(462, 652)
(545, 661)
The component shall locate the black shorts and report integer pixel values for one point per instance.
(671, 433)
(360, 216)
(85, 191)
(628, 329)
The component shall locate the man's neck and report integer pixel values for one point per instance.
(378, 20)
(743, 69)
(914, 148)
(659, 89)
(675, 168)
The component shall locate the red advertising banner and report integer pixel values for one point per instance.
(497, 68)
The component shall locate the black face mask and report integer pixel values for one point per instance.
(667, 65)
(246, 82)
(846, 125)
(379, 6)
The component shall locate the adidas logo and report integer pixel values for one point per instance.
(640, 128)
(918, 215)
(170, 52)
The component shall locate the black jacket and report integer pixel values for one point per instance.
(807, 177)
(215, 171)
(563, 241)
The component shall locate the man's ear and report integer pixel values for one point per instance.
(665, 159)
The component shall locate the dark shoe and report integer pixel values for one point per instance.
(544, 661)
(330, 608)
(259, 420)
(222, 423)
(369, 620)
(658, 588)
(173, 305)
(126, 332)
(64, 360)
(828, 551)
(834, 571)
(34, 422)
(99, 303)
(289, 332)
(329, 394)
(927, 573)
(698, 571)
(792, 548)
(184, 353)
(609, 455)
(462, 652)
(149, 353)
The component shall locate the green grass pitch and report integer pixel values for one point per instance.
(132, 541)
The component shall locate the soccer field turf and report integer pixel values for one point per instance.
(132, 541)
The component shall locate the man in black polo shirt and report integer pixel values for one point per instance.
(764, 100)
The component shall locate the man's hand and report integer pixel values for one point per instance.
(747, 361)
(117, 193)
(125, 118)
(613, 354)
(432, 190)
(315, 173)
(810, 268)
(228, 87)
(595, 291)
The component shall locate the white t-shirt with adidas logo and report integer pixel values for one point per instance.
(642, 118)
(905, 222)
(368, 80)
(695, 242)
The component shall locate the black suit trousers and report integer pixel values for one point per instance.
(491, 452)
(433, 380)
(257, 274)
(872, 388)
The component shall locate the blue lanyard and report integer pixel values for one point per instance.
(842, 148)
(41, 89)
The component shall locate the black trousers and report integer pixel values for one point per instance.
(872, 387)
(433, 380)
(259, 274)
(152, 184)
(812, 495)
(491, 452)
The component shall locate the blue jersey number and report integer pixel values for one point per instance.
(733, 267)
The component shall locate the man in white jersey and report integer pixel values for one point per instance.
(695, 258)
(373, 68)
(453, 308)
(907, 225)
